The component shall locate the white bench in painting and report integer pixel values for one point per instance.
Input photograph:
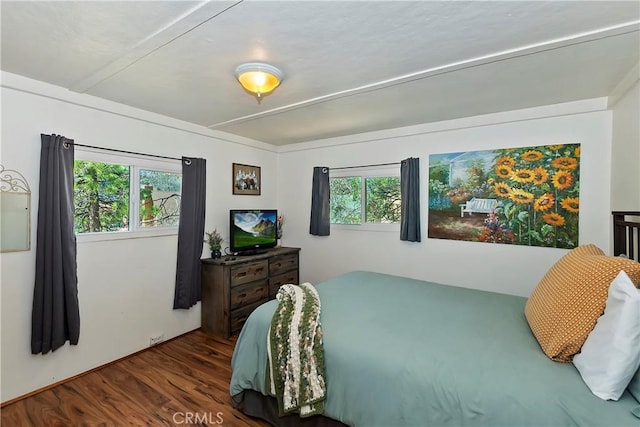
(478, 206)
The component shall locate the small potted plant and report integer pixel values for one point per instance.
(214, 239)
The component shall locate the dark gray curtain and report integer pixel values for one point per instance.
(55, 316)
(410, 193)
(190, 232)
(320, 202)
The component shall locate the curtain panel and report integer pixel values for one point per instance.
(55, 316)
(410, 205)
(190, 232)
(320, 209)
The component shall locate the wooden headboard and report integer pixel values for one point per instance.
(626, 234)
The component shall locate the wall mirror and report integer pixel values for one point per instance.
(15, 211)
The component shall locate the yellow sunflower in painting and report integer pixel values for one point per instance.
(562, 179)
(555, 147)
(566, 163)
(502, 190)
(531, 155)
(576, 152)
(544, 202)
(503, 171)
(571, 204)
(553, 218)
(523, 175)
(506, 161)
(540, 175)
(521, 196)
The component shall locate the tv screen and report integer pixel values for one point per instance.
(252, 229)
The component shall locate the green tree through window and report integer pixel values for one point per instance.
(101, 194)
(380, 200)
(383, 199)
(159, 198)
(346, 206)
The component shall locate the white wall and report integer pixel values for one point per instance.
(502, 268)
(125, 287)
(625, 153)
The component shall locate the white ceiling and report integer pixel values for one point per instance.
(350, 67)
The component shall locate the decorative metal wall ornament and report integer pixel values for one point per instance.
(13, 181)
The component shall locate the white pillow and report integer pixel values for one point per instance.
(611, 354)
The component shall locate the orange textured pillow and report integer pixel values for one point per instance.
(566, 304)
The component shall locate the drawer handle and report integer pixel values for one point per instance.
(259, 270)
(241, 274)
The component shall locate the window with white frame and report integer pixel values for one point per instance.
(125, 194)
(367, 197)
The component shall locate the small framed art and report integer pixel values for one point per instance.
(246, 179)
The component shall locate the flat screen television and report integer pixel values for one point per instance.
(252, 230)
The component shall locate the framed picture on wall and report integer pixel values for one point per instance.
(246, 179)
(526, 196)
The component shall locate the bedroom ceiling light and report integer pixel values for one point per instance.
(258, 78)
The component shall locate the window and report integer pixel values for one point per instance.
(367, 197)
(346, 200)
(101, 196)
(159, 198)
(124, 195)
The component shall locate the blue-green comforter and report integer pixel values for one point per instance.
(404, 352)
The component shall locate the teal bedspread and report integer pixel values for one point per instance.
(404, 352)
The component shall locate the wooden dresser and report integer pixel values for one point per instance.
(233, 286)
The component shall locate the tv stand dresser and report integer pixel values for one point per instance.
(235, 285)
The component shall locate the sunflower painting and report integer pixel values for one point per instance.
(523, 196)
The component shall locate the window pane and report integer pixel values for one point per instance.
(382, 199)
(101, 196)
(159, 198)
(346, 207)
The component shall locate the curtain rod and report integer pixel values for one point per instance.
(366, 166)
(123, 151)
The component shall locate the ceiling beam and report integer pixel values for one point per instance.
(183, 24)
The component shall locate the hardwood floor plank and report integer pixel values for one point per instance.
(99, 392)
(164, 385)
(215, 372)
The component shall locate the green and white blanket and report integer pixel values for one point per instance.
(295, 370)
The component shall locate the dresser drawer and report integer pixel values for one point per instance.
(249, 272)
(239, 316)
(283, 263)
(248, 293)
(282, 279)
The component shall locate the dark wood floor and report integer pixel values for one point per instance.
(184, 381)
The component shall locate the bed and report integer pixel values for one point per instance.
(439, 355)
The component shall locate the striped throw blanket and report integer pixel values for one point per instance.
(295, 370)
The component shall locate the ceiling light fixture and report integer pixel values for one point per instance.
(258, 79)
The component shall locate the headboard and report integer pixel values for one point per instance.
(626, 234)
